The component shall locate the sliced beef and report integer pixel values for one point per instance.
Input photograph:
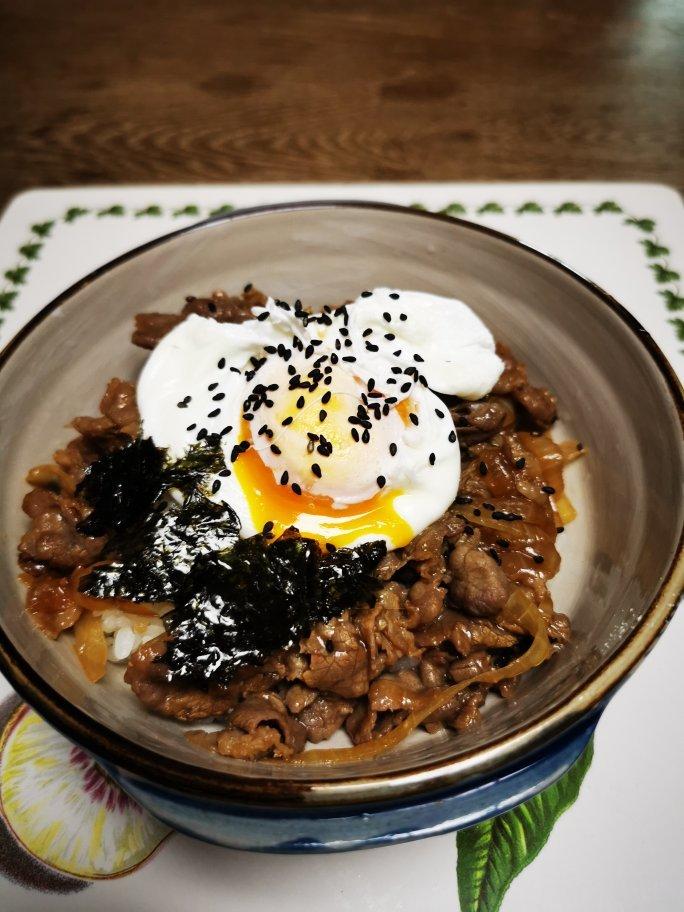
(150, 328)
(120, 417)
(324, 716)
(258, 711)
(53, 539)
(146, 675)
(466, 635)
(479, 586)
(539, 403)
(338, 658)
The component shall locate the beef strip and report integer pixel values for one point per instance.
(539, 403)
(338, 658)
(324, 716)
(478, 585)
(53, 539)
(150, 328)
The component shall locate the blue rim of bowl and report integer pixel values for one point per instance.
(387, 786)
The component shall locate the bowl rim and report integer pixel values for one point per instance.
(515, 746)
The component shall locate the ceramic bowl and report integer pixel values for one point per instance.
(622, 567)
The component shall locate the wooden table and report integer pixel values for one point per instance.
(175, 90)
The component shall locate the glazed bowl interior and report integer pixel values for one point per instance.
(613, 397)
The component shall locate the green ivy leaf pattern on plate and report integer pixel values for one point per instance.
(42, 229)
(529, 206)
(664, 274)
(678, 324)
(222, 210)
(187, 210)
(148, 210)
(6, 298)
(673, 301)
(607, 206)
(30, 251)
(647, 225)
(17, 276)
(653, 248)
(75, 212)
(493, 853)
(454, 209)
(568, 207)
(111, 210)
(490, 207)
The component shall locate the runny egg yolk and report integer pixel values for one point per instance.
(269, 501)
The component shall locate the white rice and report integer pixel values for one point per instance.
(125, 632)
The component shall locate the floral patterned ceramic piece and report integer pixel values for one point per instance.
(64, 829)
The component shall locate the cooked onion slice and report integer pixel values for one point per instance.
(521, 610)
(90, 646)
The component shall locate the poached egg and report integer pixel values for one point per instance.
(330, 422)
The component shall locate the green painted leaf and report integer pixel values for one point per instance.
(6, 298)
(30, 251)
(489, 207)
(673, 301)
(454, 209)
(530, 206)
(187, 210)
(112, 210)
(222, 210)
(678, 324)
(567, 207)
(646, 225)
(42, 229)
(664, 274)
(75, 212)
(149, 210)
(607, 206)
(493, 853)
(653, 248)
(17, 275)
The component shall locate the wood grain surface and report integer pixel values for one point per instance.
(217, 90)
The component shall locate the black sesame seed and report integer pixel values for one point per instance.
(413, 418)
(365, 437)
(217, 411)
(493, 554)
(580, 446)
(296, 488)
(224, 473)
(349, 358)
(403, 318)
(468, 530)
(300, 402)
(355, 434)
(202, 433)
(560, 529)
(418, 359)
(390, 337)
(452, 436)
(211, 307)
(371, 347)
(191, 427)
(275, 449)
(538, 559)
(432, 458)
(284, 478)
(548, 489)
(498, 514)
(464, 499)
(387, 317)
(396, 370)
(482, 468)
(322, 415)
(512, 517)
(226, 430)
(325, 398)
(394, 296)
(439, 413)
(367, 332)
(477, 511)
(520, 463)
(503, 543)
(182, 404)
(316, 469)
(488, 506)
(287, 421)
(405, 387)
(268, 527)
(397, 353)
(381, 481)
(221, 363)
(218, 397)
(215, 486)
(366, 294)
(271, 349)
(263, 316)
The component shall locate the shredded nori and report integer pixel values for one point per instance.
(236, 601)
(121, 486)
(236, 608)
